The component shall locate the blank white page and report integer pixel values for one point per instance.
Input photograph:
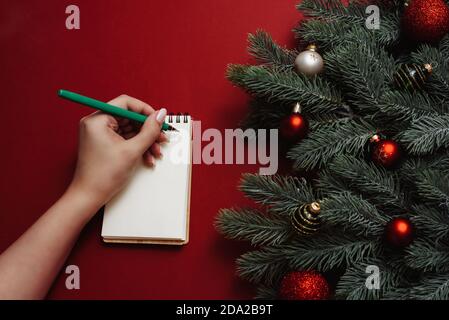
(155, 203)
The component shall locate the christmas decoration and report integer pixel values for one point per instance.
(305, 220)
(399, 232)
(295, 126)
(309, 62)
(304, 285)
(412, 76)
(384, 152)
(425, 20)
(357, 196)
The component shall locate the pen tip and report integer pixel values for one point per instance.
(170, 128)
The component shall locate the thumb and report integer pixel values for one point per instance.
(150, 130)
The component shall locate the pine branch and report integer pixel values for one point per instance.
(426, 256)
(266, 293)
(374, 182)
(283, 195)
(330, 249)
(438, 83)
(333, 10)
(352, 285)
(402, 106)
(264, 49)
(253, 225)
(329, 140)
(363, 70)
(433, 186)
(389, 33)
(426, 135)
(432, 223)
(262, 266)
(354, 214)
(433, 286)
(275, 85)
(323, 33)
(329, 184)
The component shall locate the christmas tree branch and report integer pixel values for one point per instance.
(329, 140)
(253, 225)
(374, 182)
(330, 249)
(333, 10)
(433, 286)
(267, 265)
(266, 293)
(322, 33)
(275, 85)
(400, 106)
(438, 83)
(354, 214)
(353, 283)
(264, 49)
(282, 194)
(433, 187)
(432, 223)
(426, 256)
(426, 135)
(363, 70)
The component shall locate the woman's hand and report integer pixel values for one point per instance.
(110, 148)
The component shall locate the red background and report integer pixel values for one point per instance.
(168, 53)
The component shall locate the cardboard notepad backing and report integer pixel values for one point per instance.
(154, 208)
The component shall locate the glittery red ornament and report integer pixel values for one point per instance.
(386, 153)
(426, 20)
(304, 285)
(295, 127)
(399, 232)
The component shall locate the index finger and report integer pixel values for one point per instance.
(126, 102)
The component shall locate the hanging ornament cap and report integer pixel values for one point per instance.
(312, 47)
(314, 208)
(297, 108)
(375, 138)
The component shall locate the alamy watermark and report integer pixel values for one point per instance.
(373, 280)
(373, 20)
(73, 20)
(233, 146)
(72, 282)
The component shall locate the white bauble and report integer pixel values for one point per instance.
(309, 62)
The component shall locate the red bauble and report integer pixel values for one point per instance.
(294, 127)
(399, 232)
(386, 153)
(304, 285)
(426, 20)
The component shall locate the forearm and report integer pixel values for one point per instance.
(29, 266)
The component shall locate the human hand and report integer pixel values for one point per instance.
(110, 148)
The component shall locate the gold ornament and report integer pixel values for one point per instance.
(309, 62)
(412, 76)
(306, 220)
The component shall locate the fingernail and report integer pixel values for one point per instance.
(160, 117)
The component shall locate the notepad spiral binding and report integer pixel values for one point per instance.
(178, 118)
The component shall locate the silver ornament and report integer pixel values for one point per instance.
(309, 62)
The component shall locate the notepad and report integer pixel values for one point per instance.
(153, 208)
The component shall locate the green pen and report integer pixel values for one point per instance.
(107, 108)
